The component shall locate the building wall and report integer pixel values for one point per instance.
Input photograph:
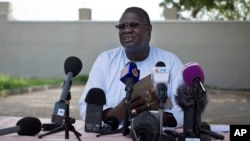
(39, 49)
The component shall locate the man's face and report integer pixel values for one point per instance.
(133, 32)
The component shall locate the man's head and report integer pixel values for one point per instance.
(134, 29)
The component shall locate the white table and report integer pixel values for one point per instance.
(6, 122)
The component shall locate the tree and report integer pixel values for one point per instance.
(210, 9)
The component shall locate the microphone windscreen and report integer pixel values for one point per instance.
(72, 64)
(29, 126)
(185, 98)
(160, 64)
(96, 96)
(146, 126)
(192, 71)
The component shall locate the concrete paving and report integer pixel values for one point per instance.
(224, 107)
(39, 103)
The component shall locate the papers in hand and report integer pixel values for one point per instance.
(144, 85)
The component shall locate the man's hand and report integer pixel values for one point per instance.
(138, 104)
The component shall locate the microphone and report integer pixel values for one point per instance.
(192, 98)
(185, 98)
(160, 80)
(27, 126)
(193, 76)
(145, 127)
(95, 100)
(129, 76)
(72, 67)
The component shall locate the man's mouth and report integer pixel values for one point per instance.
(128, 38)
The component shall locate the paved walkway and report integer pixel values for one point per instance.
(39, 103)
(224, 107)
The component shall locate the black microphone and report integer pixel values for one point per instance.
(72, 67)
(185, 99)
(27, 126)
(95, 100)
(145, 127)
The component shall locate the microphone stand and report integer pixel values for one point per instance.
(161, 93)
(129, 90)
(198, 131)
(127, 116)
(67, 125)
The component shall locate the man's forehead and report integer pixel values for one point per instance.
(130, 17)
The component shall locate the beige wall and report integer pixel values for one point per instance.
(39, 49)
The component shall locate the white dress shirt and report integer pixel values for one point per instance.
(106, 71)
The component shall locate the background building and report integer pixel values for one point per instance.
(39, 48)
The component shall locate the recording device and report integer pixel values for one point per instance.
(72, 67)
(145, 127)
(129, 76)
(50, 126)
(27, 126)
(110, 125)
(59, 112)
(160, 80)
(95, 100)
(193, 76)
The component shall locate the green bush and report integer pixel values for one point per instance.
(9, 82)
(80, 79)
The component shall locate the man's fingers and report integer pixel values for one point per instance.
(138, 102)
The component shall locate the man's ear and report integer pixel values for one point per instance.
(149, 30)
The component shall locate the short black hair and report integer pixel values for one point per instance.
(141, 13)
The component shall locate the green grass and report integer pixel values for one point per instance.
(9, 82)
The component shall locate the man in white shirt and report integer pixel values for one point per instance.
(134, 33)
